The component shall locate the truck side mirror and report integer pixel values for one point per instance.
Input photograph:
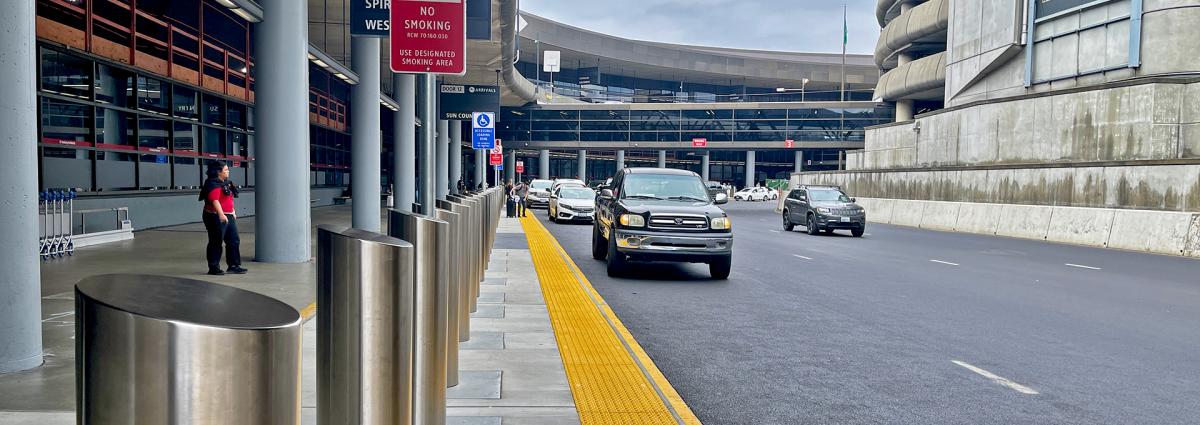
(721, 198)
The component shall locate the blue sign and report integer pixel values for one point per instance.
(500, 167)
(483, 130)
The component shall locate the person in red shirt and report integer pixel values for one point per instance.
(220, 220)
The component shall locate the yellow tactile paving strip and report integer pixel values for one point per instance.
(612, 379)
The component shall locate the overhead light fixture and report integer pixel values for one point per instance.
(320, 63)
(311, 57)
(780, 89)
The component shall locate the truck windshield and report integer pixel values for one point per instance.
(827, 196)
(664, 186)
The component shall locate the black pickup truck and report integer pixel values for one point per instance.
(659, 214)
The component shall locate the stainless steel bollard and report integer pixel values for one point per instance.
(461, 264)
(453, 282)
(429, 238)
(364, 328)
(474, 247)
(165, 350)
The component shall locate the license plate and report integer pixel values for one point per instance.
(845, 219)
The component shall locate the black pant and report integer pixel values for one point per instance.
(521, 206)
(227, 233)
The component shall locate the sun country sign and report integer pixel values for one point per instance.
(429, 36)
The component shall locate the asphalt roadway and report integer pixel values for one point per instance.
(909, 326)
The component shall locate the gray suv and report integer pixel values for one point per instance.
(825, 208)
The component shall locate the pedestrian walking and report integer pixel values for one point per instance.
(220, 220)
(522, 191)
(462, 187)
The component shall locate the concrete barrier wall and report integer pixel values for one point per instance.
(1144, 187)
(1160, 232)
(1151, 121)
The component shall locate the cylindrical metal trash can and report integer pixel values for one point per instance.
(364, 328)
(428, 237)
(164, 350)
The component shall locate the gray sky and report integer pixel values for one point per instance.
(791, 25)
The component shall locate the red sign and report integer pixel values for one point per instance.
(495, 159)
(699, 142)
(429, 36)
(789, 143)
(520, 167)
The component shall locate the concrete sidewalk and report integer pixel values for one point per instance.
(511, 372)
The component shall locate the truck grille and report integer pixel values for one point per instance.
(678, 222)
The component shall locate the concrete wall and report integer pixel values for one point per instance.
(986, 62)
(152, 211)
(1170, 233)
(1153, 121)
(1149, 187)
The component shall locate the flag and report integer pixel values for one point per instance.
(845, 28)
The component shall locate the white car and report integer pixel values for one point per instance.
(566, 182)
(572, 203)
(755, 194)
(539, 193)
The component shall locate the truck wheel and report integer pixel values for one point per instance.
(599, 249)
(858, 232)
(719, 269)
(812, 226)
(616, 261)
(787, 224)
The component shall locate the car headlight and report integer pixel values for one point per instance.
(823, 210)
(721, 223)
(566, 207)
(632, 220)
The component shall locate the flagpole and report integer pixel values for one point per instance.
(845, 39)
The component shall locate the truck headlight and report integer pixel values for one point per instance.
(632, 220)
(823, 210)
(721, 223)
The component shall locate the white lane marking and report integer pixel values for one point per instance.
(997, 379)
(1082, 267)
(801, 257)
(944, 262)
(774, 231)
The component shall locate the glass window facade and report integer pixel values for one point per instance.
(716, 125)
(105, 127)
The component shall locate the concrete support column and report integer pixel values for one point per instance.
(284, 225)
(456, 157)
(405, 153)
(750, 169)
(21, 287)
(620, 160)
(583, 165)
(662, 159)
(904, 110)
(799, 161)
(544, 164)
(365, 140)
(443, 159)
(510, 168)
(704, 165)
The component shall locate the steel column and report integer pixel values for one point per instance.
(662, 159)
(443, 160)
(427, 147)
(544, 164)
(704, 165)
(365, 140)
(456, 158)
(405, 151)
(750, 174)
(620, 159)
